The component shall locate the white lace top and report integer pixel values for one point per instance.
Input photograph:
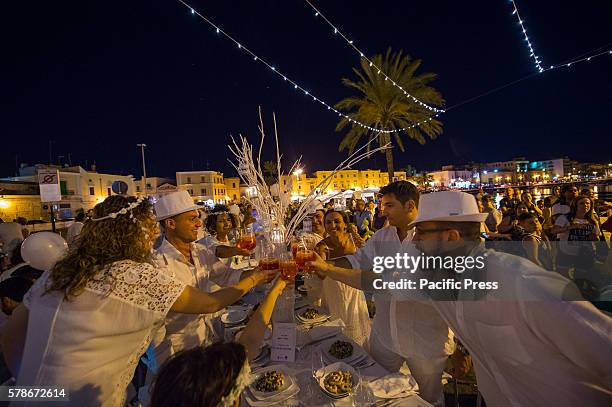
(92, 343)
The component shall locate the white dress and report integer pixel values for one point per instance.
(349, 305)
(91, 344)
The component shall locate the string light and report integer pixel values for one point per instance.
(259, 59)
(532, 53)
(362, 55)
(576, 61)
(256, 58)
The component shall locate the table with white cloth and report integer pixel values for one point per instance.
(310, 394)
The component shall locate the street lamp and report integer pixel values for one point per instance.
(144, 168)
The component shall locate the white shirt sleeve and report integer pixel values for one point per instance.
(582, 334)
(219, 272)
(210, 242)
(363, 258)
(223, 275)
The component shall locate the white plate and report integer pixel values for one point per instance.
(394, 385)
(263, 395)
(335, 367)
(279, 398)
(358, 353)
(234, 317)
(323, 316)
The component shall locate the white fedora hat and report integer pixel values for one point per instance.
(448, 206)
(174, 204)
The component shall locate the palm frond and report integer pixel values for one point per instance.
(379, 104)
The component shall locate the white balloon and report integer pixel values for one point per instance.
(43, 249)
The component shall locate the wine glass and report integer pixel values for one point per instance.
(360, 392)
(316, 365)
(288, 267)
(303, 255)
(247, 241)
(268, 258)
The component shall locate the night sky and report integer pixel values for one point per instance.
(97, 77)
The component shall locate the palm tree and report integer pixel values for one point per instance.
(270, 172)
(382, 105)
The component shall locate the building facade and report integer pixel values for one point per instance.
(203, 186)
(232, 189)
(299, 184)
(156, 186)
(80, 189)
(20, 198)
(449, 177)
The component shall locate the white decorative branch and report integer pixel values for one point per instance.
(273, 210)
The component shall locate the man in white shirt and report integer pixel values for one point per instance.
(192, 263)
(533, 341)
(410, 331)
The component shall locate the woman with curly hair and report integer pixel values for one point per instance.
(219, 223)
(84, 325)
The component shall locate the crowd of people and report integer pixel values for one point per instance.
(135, 302)
(562, 232)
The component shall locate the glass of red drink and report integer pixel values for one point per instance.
(247, 240)
(269, 263)
(288, 268)
(304, 255)
(294, 248)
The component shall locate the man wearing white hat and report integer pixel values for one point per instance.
(194, 264)
(408, 331)
(529, 345)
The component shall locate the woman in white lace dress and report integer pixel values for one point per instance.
(84, 324)
(342, 301)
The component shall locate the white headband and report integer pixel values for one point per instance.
(123, 211)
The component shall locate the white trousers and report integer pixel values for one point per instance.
(426, 372)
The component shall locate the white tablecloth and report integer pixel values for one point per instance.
(311, 395)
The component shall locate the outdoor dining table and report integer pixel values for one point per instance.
(310, 393)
